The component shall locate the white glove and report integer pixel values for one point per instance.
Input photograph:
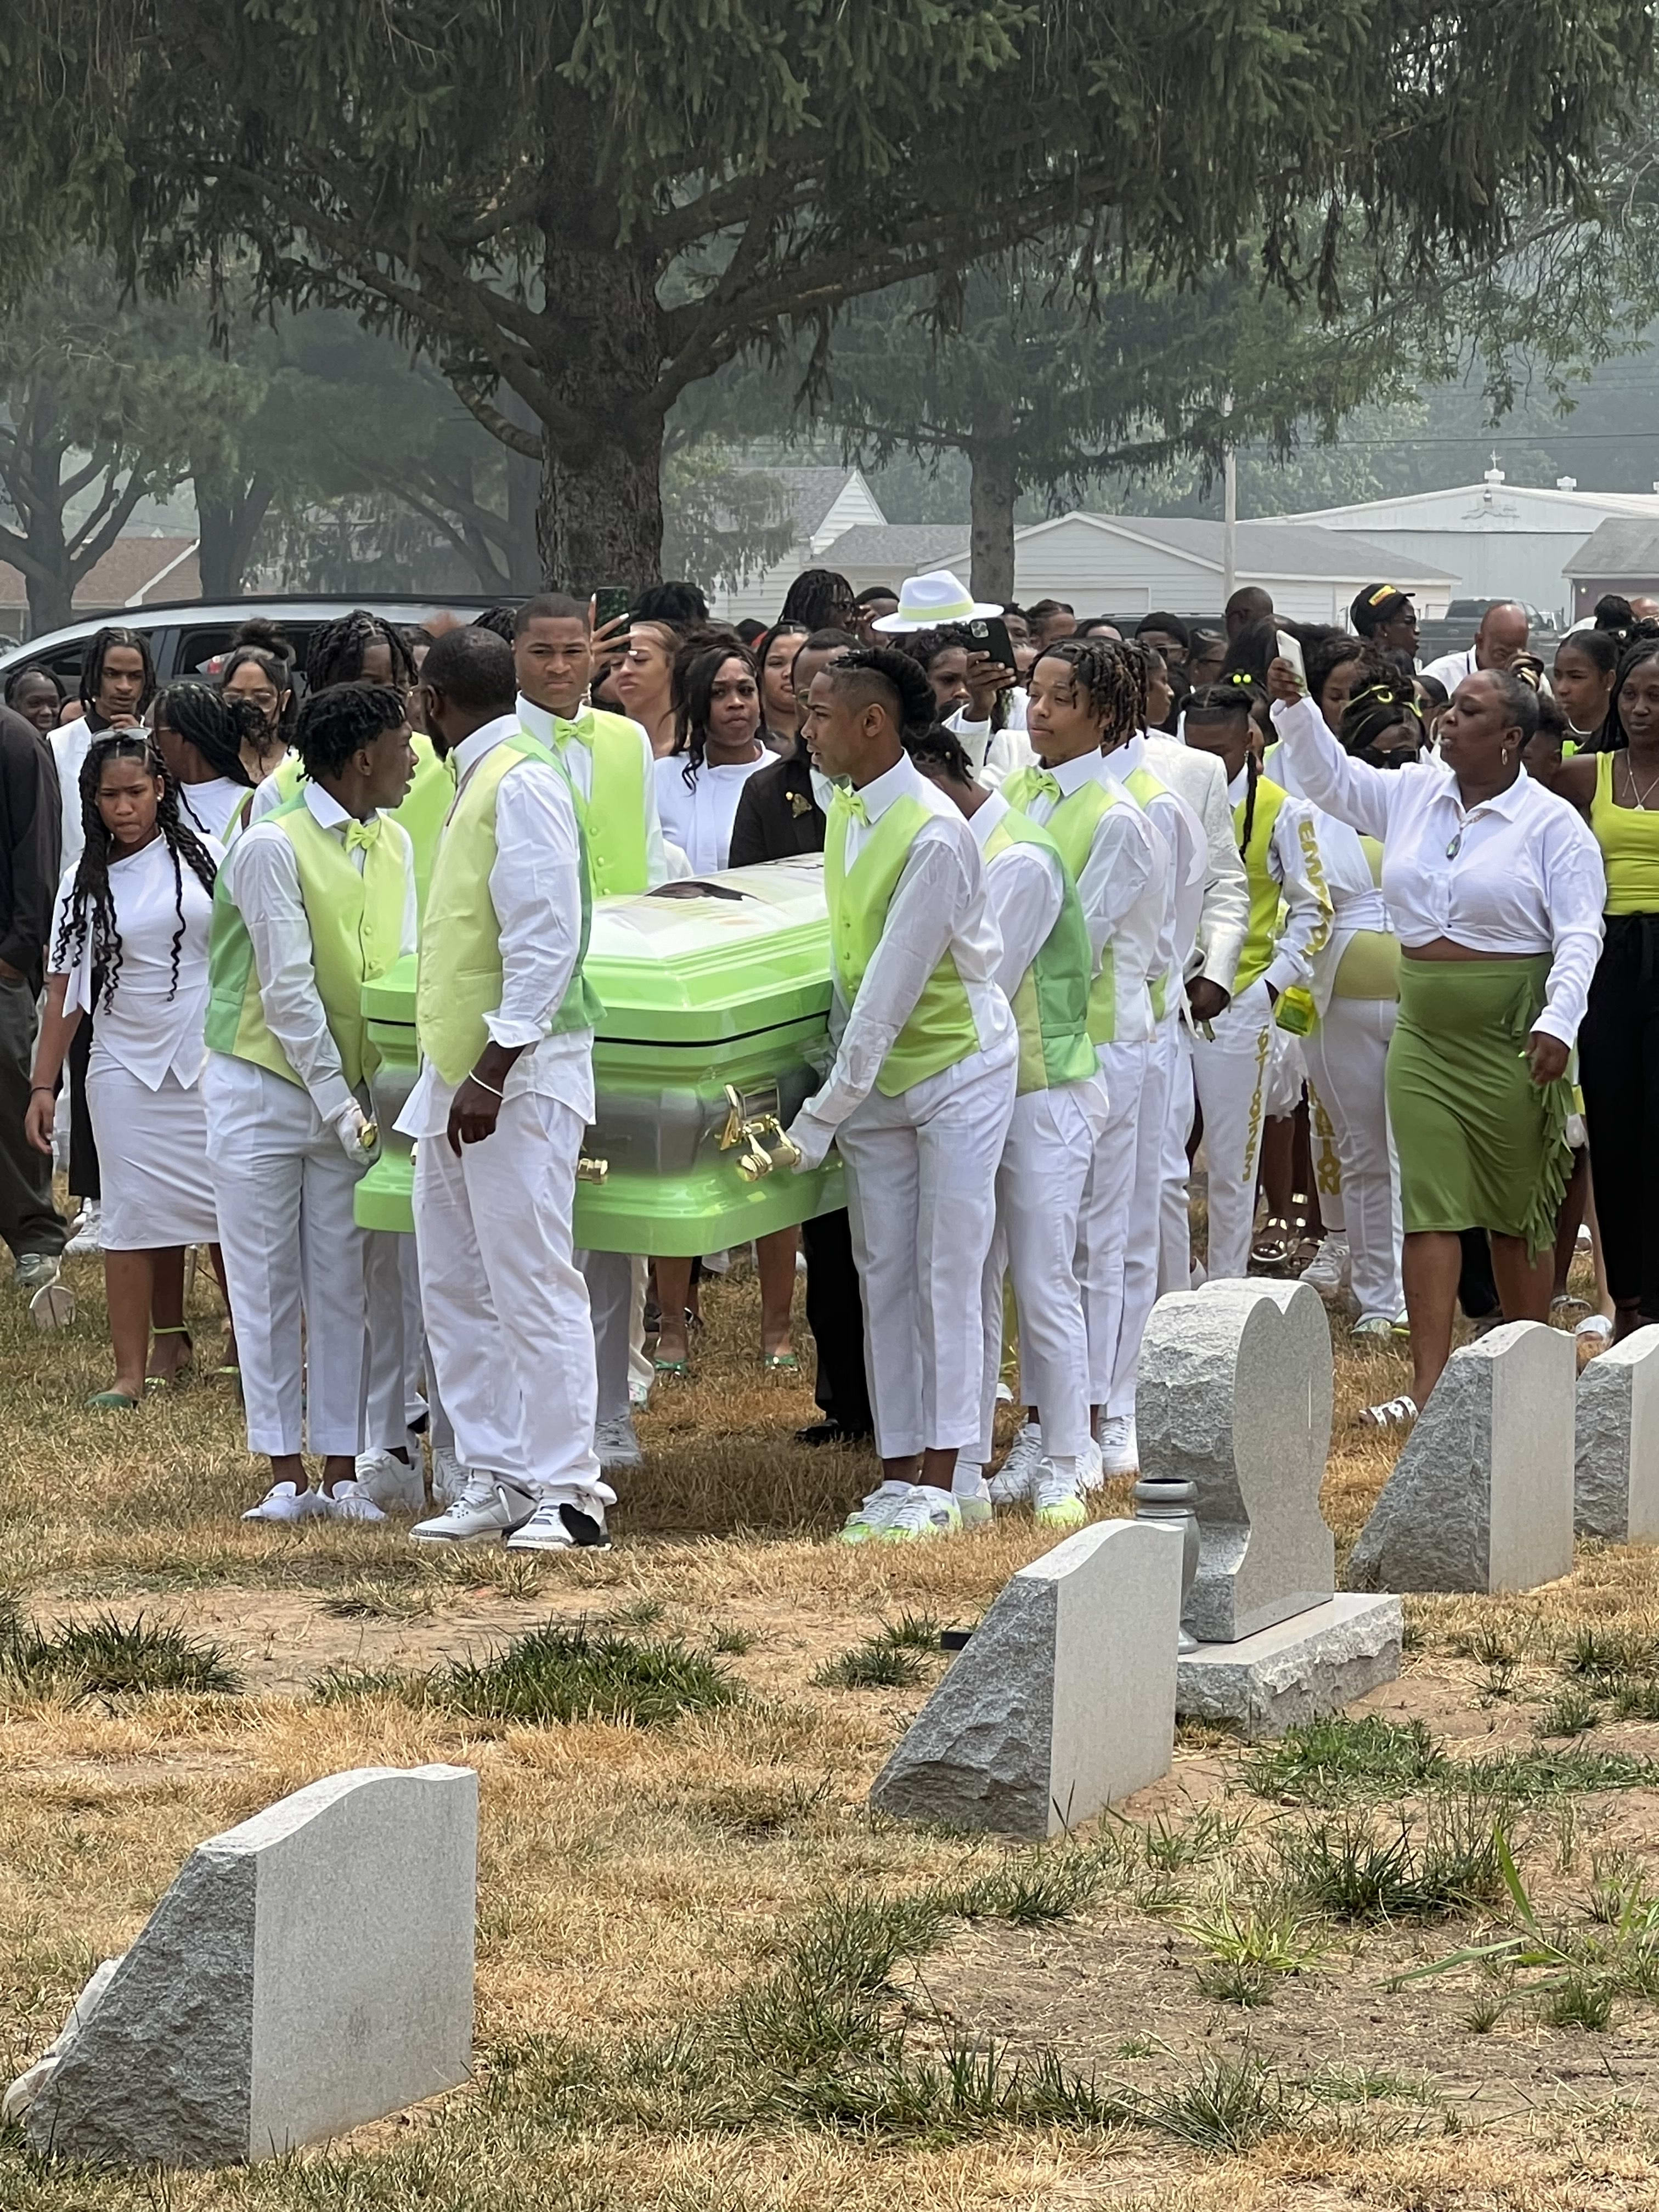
(349, 1124)
(813, 1138)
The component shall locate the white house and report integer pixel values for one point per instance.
(1128, 565)
(827, 502)
(1498, 540)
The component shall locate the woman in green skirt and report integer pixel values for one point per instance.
(1495, 888)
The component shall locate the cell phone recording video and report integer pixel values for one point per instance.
(990, 634)
(611, 601)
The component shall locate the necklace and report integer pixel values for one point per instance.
(1642, 797)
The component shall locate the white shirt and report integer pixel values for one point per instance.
(1224, 909)
(1451, 669)
(70, 744)
(1121, 885)
(1024, 888)
(1189, 863)
(261, 875)
(1357, 902)
(995, 754)
(698, 818)
(1293, 863)
(577, 762)
(1518, 874)
(207, 807)
(148, 1027)
(536, 890)
(939, 906)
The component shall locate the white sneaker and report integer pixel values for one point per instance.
(286, 1501)
(394, 1486)
(1091, 1467)
(487, 1510)
(1120, 1448)
(350, 1501)
(87, 1233)
(1374, 1325)
(616, 1444)
(561, 1522)
(874, 1517)
(923, 1512)
(1013, 1482)
(449, 1475)
(1057, 1502)
(1327, 1272)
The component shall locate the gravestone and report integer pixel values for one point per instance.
(1063, 1701)
(1616, 1442)
(1481, 1497)
(1233, 1395)
(1298, 1671)
(307, 1971)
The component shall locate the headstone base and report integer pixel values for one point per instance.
(1314, 1664)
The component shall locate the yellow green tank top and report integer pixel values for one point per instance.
(1629, 838)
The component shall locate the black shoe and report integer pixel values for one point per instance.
(831, 1432)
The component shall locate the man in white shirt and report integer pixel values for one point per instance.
(505, 1092)
(1502, 635)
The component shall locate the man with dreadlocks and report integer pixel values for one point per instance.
(1084, 695)
(922, 1092)
(130, 940)
(312, 903)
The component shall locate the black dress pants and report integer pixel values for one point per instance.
(835, 1313)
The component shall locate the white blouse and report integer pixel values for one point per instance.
(699, 819)
(209, 806)
(144, 1030)
(1518, 874)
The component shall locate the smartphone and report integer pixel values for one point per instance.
(1290, 649)
(609, 601)
(990, 634)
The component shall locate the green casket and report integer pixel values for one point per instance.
(716, 997)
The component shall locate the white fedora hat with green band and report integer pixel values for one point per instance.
(928, 602)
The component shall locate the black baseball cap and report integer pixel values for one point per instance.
(1376, 604)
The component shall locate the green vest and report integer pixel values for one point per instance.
(357, 925)
(612, 818)
(941, 1031)
(459, 980)
(1051, 1003)
(1263, 933)
(1071, 826)
(1144, 788)
(420, 816)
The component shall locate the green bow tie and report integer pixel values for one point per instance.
(1039, 784)
(580, 733)
(852, 803)
(362, 834)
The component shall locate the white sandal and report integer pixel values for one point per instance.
(1392, 1413)
(1595, 1328)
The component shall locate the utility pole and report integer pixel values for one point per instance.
(1229, 512)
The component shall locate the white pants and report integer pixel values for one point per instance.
(616, 1297)
(1230, 1073)
(1045, 1165)
(1346, 1056)
(1143, 1240)
(393, 1355)
(1102, 1227)
(506, 1308)
(921, 1205)
(1174, 1225)
(292, 1255)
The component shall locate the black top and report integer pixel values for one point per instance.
(778, 816)
(30, 845)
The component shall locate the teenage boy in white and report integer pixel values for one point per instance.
(505, 1092)
(923, 1088)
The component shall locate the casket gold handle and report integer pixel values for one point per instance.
(755, 1133)
(590, 1170)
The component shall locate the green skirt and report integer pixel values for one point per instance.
(1480, 1146)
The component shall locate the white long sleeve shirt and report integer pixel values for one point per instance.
(1121, 885)
(939, 906)
(536, 890)
(698, 816)
(1024, 886)
(261, 872)
(1189, 866)
(577, 761)
(1515, 875)
(995, 754)
(149, 1027)
(1225, 908)
(1294, 865)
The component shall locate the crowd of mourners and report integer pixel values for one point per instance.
(1254, 940)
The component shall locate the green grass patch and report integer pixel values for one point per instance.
(103, 1656)
(875, 1665)
(1355, 1867)
(1322, 1760)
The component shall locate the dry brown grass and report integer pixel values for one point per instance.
(635, 1881)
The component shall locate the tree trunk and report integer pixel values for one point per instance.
(520, 554)
(599, 518)
(229, 514)
(52, 601)
(992, 488)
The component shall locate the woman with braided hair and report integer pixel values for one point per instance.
(201, 733)
(923, 1088)
(129, 943)
(359, 648)
(1087, 695)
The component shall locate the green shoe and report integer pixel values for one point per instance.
(1057, 1502)
(113, 1401)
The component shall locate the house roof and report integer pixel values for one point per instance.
(813, 493)
(906, 549)
(1549, 495)
(1623, 545)
(1264, 549)
(131, 567)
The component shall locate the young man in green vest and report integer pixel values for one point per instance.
(311, 903)
(1060, 1109)
(1290, 920)
(921, 1091)
(1120, 865)
(506, 1028)
(612, 772)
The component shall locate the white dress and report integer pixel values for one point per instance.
(143, 1081)
(698, 816)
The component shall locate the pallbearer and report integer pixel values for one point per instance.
(920, 1095)
(506, 1090)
